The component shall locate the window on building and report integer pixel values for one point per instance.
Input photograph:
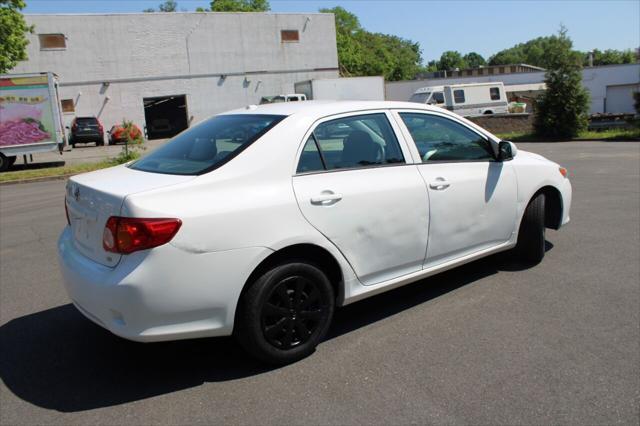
(495, 93)
(289, 36)
(458, 96)
(68, 105)
(501, 70)
(52, 41)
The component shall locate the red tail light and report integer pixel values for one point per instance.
(75, 126)
(100, 128)
(128, 234)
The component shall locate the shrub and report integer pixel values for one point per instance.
(562, 111)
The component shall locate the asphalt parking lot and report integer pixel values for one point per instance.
(487, 343)
(82, 153)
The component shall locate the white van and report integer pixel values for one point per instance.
(465, 99)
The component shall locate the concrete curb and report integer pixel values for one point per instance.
(40, 179)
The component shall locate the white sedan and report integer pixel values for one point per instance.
(260, 222)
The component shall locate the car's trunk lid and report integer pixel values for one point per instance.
(94, 197)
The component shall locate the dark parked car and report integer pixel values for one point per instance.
(86, 130)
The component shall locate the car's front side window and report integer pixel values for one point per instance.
(441, 139)
(351, 142)
(438, 97)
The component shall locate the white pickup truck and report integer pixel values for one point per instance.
(30, 118)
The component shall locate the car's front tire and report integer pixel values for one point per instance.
(285, 313)
(531, 235)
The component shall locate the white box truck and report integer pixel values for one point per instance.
(465, 99)
(346, 88)
(30, 117)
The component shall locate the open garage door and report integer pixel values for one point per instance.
(620, 99)
(165, 116)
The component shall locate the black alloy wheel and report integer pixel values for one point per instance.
(285, 312)
(292, 312)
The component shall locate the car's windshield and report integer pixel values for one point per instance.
(208, 145)
(420, 98)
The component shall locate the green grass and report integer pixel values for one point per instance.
(74, 169)
(590, 135)
(54, 171)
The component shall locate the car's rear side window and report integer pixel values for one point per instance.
(208, 145)
(351, 142)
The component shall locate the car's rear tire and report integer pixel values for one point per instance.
(531, 235)
(285, 313)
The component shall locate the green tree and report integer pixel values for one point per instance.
(610, 57)
(13, 30)
(474, 60)
(167, 6)
(450, 60)
(350, 51)
(535, 52)
(432, 66)
(562, 109)
(362, 53)
(240, 6)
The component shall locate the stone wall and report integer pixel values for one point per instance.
(505, 123)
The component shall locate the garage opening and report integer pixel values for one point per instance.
(165, 116)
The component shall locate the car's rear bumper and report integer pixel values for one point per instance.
(162, 294)
(87, 137)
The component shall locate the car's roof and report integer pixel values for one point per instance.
(326, 108)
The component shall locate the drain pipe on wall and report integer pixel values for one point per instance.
(186, 40)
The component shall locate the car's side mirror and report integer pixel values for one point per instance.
(506, 151)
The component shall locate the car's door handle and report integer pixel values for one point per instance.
(326, 198)
(439, 184)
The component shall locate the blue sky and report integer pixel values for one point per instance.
(482, 26)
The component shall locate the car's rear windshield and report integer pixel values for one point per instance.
(87, 120)
(207, 145)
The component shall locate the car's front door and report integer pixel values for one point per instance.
(472, 197)
(353, 185)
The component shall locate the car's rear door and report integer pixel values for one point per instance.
(354, 185)
(472, 196)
